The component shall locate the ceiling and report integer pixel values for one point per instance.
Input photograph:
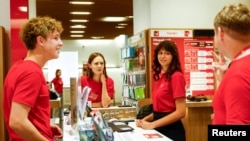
(60, 10)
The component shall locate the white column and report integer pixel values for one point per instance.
(142, 15)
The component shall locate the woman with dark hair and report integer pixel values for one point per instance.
(102, 86)
(57, 82)
(168, 97)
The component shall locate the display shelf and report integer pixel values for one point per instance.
(133, 59)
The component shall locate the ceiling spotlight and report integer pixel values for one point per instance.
(122, 24)
(79, 21)
(119, 26)
(78, 26)
(74, 31)
(114, 19)
(130, 17)
(80, 13)
(97, 37)
(76, 35)
(81, 2)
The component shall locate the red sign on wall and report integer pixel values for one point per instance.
(18, 15)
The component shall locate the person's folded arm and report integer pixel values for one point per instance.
(178, 114)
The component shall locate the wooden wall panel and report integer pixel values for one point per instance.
(2, 74)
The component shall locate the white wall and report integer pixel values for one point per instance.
(178, 13)
(109, 48)
(4, 16)
(67, 62)
(142, 16)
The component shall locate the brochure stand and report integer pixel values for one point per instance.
(73, 99)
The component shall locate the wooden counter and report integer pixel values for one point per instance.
(54, 104)
(192, 104)
(198, 116)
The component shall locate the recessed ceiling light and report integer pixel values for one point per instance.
(114, 19)
(130, 17)
(81, 2)
(119, 26)
(80, 13)
(74, 31)
(97, 37)
(78, 26)
(76, 35)
(122, 24)
(79, 20)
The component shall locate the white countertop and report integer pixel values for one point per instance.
(138, 134)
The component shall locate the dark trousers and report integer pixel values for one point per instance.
(174, 131)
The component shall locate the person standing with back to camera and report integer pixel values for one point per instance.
(102, 86)
(168, 96)
(57, 82)
(232, 37)
(26, 99)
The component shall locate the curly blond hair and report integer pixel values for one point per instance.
(38, 26)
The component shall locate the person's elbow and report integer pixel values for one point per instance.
(106, 102)
(15, 124)
(181, 107)
(182, 113)
(106, 105)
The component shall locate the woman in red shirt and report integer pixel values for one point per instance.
(58, 83)
(169, 102)
(102, 86)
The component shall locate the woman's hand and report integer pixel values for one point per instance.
(137, 122)
(144, 124)
(56, 131)
(103, 79)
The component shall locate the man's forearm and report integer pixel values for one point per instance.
(27, 131)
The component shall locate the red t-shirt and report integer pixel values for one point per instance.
(25, 83)
(58, 84)
(232, 99)
(165, 92)
(96, 88)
